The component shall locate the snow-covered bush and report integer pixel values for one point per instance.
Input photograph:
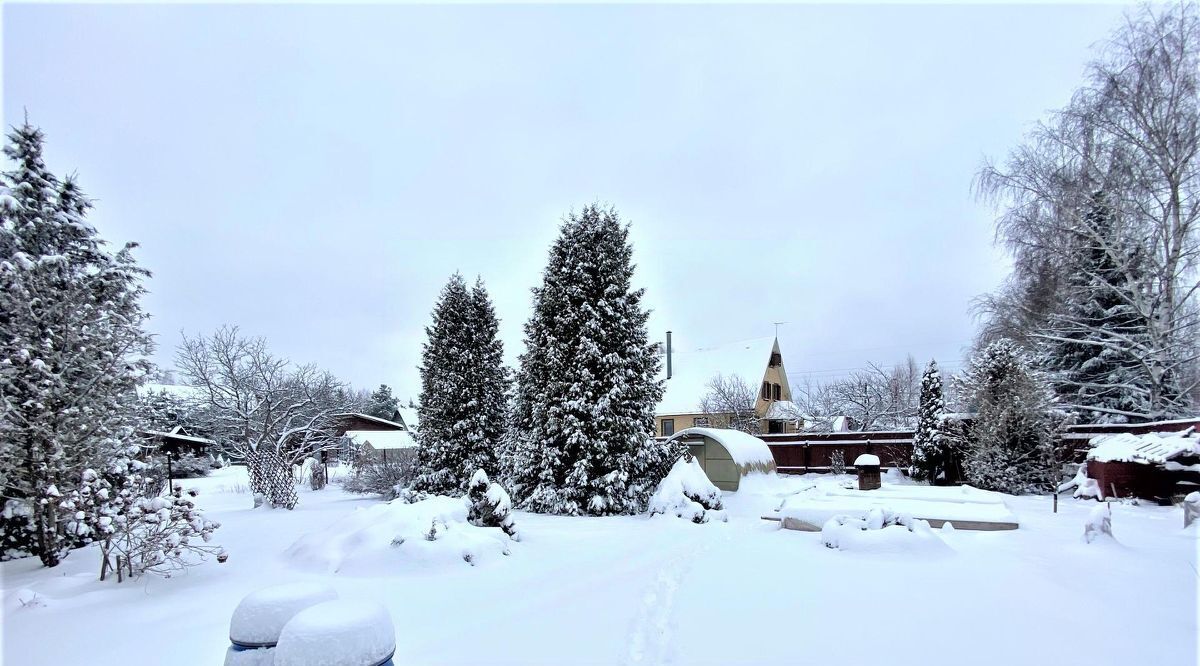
(1099, 523)
(139, 532)
(837, 462)
(190, 466)
(1085, 487)
(387, 479)
(312, 472)
(686, 492)
(380, 539)
(489, 505)
(879, 530)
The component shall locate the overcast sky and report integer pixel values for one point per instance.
(314, 174)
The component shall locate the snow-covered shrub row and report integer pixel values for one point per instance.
(377, 540)
(686, 492)
(881, 531)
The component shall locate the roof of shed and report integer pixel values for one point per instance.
(383, 439)
(375, 419)
(1151, 448)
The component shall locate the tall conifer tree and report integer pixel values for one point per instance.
(463, 391)
(587, 387)
(72, 352)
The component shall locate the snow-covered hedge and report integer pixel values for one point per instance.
(686, 492)
(380, 539)
(880, 531)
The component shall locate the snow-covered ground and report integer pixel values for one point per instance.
(639, 590)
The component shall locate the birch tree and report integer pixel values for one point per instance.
(1129, 140)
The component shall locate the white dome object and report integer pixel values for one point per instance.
(866, 459)
(337, 633)
(261, 615)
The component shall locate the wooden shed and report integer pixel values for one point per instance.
(1151, 466)
(727, 455)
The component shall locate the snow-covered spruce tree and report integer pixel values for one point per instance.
(931, 448)
(490, 505)
(587, 387)
(382, 403)
(1085, 347)
(72, 347)
(463, 391)
(1013, 437)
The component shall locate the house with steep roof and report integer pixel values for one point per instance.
(754, 366)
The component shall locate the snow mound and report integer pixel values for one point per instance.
(881, 531)
(380, 539)
(337, 633)
(686, 492)
(818, 505)
(261, 615)
(866, 459)
(1099, 524)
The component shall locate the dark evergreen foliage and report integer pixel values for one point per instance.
(587, 388)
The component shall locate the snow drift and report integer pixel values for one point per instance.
(686, 492)
(881, 531)
(380, 539)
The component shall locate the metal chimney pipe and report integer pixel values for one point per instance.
(668, 354)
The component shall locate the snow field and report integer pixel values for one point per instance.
(640, 590)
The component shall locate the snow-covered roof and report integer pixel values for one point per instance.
(383, 439)
(743, 448)
(1151, 448)
(375, 419)
(174, 434)
(783, 410)
(693, 368)
(174, 390)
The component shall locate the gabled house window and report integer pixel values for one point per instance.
(699, 421)
(766, 391)
(775, 392)
(668, 427)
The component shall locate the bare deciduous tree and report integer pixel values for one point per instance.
(729, 403)
(1130, 135)
(261, 408)
(877, 398)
